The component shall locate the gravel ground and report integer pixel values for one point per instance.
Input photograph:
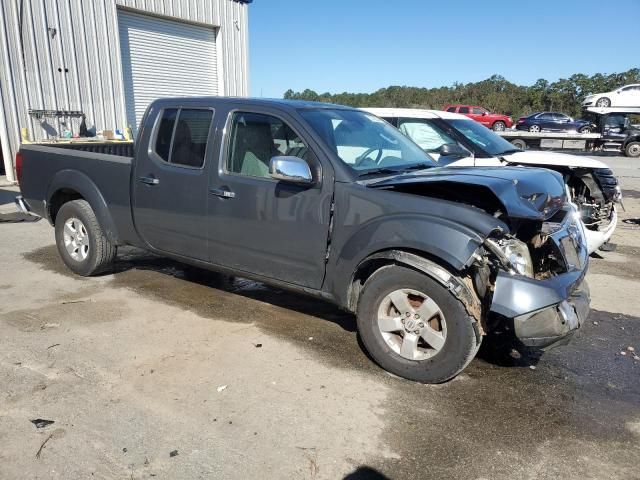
(166, 372)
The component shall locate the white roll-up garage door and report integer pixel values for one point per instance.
(164, 58)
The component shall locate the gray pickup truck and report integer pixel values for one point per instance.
(335, 203)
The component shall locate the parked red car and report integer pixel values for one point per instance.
(494, 121)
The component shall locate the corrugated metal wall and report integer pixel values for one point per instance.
(65, 55)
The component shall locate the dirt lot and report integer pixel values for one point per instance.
(239, 380)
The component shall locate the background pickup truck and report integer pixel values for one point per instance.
(494, 121)
(332, 202)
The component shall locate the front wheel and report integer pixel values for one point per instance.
(81, 242)
(499, 126)
(414, 327)
(632, 150)
(603, 102)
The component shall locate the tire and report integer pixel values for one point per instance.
(81, 242)
(603, 102)
(518, 143)
(499, 126)
(535, 128)
(632, 149)
(457, 336)
(586, 129)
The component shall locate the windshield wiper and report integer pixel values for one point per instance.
(376, 171)
(418, 166)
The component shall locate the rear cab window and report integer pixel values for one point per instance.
(181, 136)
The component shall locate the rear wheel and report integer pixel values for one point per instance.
(632, 149)
(499, 126)
(82, 244)
(415, 328)
(521, 144)
(603, 102)
(534, 128)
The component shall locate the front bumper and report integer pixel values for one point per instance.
(553, 324)
(597, 238)
(544, 311)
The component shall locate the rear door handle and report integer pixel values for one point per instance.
(149, 180)
(222, 192)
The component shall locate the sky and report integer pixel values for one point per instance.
(364, 45)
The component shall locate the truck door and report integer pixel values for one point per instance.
(170, 184)
(480, 115)
(261, 225)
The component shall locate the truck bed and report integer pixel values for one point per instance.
(103, 178)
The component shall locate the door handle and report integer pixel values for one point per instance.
(222, 192)
(149, 180)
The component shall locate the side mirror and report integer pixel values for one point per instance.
(290, 169)
(453, 150)
(484, 114)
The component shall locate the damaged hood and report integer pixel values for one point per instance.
(554, 159)
(527, 193)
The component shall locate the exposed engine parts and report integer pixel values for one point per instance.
(594, 192)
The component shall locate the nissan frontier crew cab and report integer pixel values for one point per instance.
(335, 203)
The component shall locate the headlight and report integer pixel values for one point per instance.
(518, 255)
(513, 254)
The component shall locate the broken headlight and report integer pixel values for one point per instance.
(518, 255)
(513, 254)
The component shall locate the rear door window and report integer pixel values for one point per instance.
(182, 134)
(463, 110)
(451, 109)
(165, 133)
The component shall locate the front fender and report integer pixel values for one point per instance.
(450, 243)
(81, 183)
(442, 238)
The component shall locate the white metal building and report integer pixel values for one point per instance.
(109, 59)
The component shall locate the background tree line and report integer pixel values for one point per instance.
(495, 93)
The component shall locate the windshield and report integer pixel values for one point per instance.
(482, 137)
(364, 142)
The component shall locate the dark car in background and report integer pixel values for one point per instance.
(553, 122)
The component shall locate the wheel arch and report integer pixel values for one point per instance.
(460, 287)
(69, 185)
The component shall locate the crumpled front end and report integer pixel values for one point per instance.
(551, 299)
(595, 193)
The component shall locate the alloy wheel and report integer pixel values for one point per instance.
(76, 239)
(412, 324)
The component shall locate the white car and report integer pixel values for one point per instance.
(627, 96)
(455, 140)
